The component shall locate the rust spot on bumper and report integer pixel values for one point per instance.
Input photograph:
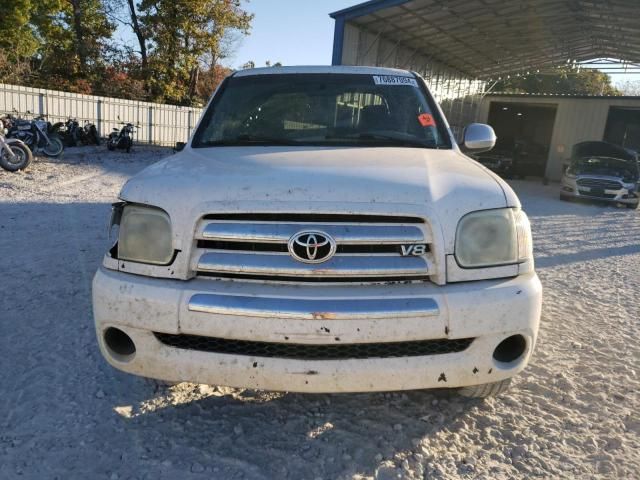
(323, 315)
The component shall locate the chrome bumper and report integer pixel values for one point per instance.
(305, 309)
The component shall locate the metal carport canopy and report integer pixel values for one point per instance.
(489, 38)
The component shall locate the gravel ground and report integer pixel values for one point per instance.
(64, 413)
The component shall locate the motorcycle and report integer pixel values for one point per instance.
(90, 134)
(122, 138)
(36, 134)
(66, 131)
(72, 134)
(14, 154)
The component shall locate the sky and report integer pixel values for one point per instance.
(300, 32)
(293, 32)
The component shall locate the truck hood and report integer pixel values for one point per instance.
(442, 185)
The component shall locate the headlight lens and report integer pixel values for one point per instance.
(493, 237)
(145, 235)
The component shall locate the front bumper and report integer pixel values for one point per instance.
(570, 189)
(488, 311)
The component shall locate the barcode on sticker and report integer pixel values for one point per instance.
(394, 80)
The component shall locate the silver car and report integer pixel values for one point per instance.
(602, 171)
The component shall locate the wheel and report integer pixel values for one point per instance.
(485, 390)
(565, 198)
(110, 145)
(632, 206)
(54, 148)
(22, 159)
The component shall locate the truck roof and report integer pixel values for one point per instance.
(341, 69)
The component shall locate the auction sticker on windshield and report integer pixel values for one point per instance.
(394, 80)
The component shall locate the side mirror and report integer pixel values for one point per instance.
(179, 146)
(478, 138)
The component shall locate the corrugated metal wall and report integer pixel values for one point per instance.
(159, 123)
(577, 120)
(458, 95)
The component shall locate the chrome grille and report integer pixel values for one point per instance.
(368, 247)
(599, 183)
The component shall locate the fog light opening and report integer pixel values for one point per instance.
(119, 343)
(510, 349)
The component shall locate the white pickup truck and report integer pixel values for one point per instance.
(321, 232)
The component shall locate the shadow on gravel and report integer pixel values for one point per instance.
(585, 255)
(272, 435)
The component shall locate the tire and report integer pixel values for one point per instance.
(54, 148)
(565, 198)
(23, 159)
(110, 146)
(485, 390)
(632, 206)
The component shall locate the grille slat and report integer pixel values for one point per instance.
(342, 234)
(312, 217)
(278, 264)
(314, 351)
(599, 183)
(282, 247)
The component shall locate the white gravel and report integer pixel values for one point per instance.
(64, 413)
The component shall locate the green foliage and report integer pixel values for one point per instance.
(181, 33)
(17, 38)
(563, 81)
(68, 45)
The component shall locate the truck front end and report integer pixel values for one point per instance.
(321, 232)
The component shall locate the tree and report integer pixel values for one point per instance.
(17, 38)
(209, 80)
(68, 45)
(183, 34)
(91, 29)
(584, 81)
(13, 70)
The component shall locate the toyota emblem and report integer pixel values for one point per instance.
(312, 247)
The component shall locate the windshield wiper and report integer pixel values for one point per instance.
(247, 139)
(407, 141)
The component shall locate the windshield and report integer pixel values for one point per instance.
(322, 110)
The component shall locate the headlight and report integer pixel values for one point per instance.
(145, 235)
(491, 238)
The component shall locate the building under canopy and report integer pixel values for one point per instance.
(462, 47)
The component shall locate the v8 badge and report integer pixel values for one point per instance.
(413, 250)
